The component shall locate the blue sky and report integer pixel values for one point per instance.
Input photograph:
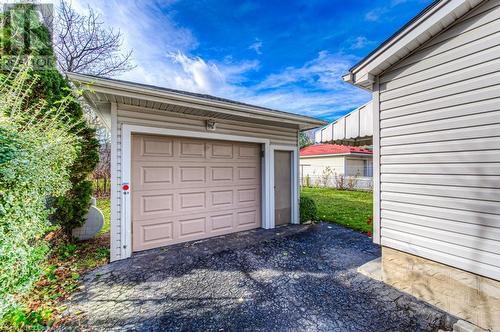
(284, 55)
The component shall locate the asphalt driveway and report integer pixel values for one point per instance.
(293, 278)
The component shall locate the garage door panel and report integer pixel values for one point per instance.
(152, 148)
(219, 151)
(192, 201)
(167, 203)
(247, 218)
(222, 222)
(222, 174)
(156, 147)
(248, 195)
(159, 148)
(192, 149)
(157, 203)
(156, 175)
(192, 227)
(187, 189)
(159, 175)
(191, 175)
(152, 233)
(247, 151)
(222, 198)
(247, 173)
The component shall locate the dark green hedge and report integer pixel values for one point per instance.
(308, 209)
(50, 88)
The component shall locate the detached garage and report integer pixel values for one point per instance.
(187, 166)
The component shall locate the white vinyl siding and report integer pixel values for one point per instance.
(440, 146)
(283, 136)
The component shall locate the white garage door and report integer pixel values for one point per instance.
(187, 189)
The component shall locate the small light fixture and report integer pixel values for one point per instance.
(210, 125)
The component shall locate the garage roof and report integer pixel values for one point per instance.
(427, 24)
(99, 92)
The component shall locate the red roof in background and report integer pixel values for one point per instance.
(319, 149)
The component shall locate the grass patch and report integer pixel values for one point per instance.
(43, 307)
(352, 209)
(104, 204)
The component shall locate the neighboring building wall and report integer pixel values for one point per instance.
(361, 171)
(164, 119)
(322, 170)
(315, 169)
(440, 158)
(355, 167)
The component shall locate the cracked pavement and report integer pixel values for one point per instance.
(292, 278)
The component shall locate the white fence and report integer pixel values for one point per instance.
(328, 177)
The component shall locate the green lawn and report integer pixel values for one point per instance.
(352, 209)
(104, 205)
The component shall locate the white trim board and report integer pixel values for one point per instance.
(115, 252)
(376, 162)
(127, 131)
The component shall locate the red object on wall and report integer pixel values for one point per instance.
(125, 187)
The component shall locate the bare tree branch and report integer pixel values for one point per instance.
(83, 44)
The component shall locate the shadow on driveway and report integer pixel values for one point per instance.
(291, 278)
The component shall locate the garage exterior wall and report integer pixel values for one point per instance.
(439, 130)
(130, 115)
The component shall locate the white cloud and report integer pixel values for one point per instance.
(377, 13)
(315, 89)
(197, 75)
(163, 53)
(322, 72)
(150, 32)
(318, 104)
(256, 46)
(360, 42)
